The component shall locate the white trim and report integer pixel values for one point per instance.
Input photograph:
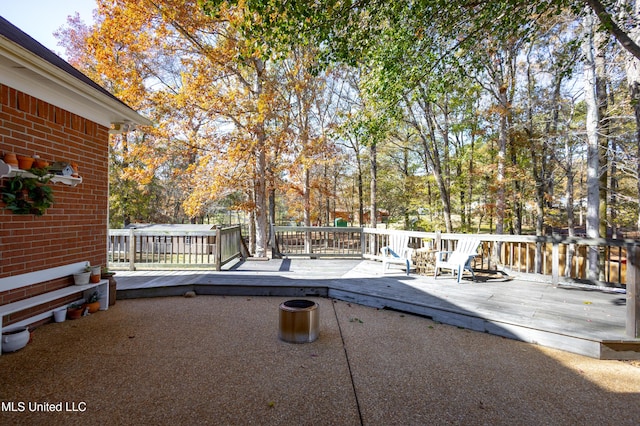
(40, 299)
(22, 70)
(17, 281)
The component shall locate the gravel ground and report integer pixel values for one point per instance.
(217, 360)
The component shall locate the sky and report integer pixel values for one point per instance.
(41, 18)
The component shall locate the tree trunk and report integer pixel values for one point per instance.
(405, 184)
(431, 154)
(632, 68)
(538, 160)
(500, 174)
(307, 208)
(373, 208)
(260, 179)
(252, 230)
(593, 161)
(272, 206)
(272, 221)
(307, 197)
(602, 82)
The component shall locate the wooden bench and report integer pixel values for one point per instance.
(30, 278)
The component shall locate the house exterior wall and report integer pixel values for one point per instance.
(75, 228)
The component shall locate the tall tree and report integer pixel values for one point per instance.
(593, 163)
(632, 68)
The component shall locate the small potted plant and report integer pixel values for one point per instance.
(96, 271)
(93, 303)
(82, 278)
(75, 310)
(105, 273)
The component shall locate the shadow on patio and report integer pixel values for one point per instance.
(217, 360)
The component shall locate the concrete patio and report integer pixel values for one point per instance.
(587, 322)
(217, 360)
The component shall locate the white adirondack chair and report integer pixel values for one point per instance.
(458, 260)
(398, 251)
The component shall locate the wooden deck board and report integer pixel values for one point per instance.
(565, 318)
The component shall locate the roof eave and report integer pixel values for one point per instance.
(29, 73)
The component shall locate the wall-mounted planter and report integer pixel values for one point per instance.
(39, 163)
(24, 162)
(9, 170)
(11, 159)
(27, 195)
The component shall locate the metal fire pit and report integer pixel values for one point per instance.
(299, 321)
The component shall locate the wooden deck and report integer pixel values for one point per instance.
(587, 322)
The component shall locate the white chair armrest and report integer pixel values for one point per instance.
(438, 255)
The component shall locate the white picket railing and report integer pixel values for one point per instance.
(539, 258)
(142, 249)
(533, 257)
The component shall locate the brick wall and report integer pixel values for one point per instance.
(75, 228)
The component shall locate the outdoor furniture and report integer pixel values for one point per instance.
(458, 260)
(397, 251)
(24, 280)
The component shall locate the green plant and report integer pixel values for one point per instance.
(105, 272)
(28, 195)
(94, 297)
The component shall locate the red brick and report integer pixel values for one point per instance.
(65, 233)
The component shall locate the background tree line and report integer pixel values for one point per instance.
(458, 116)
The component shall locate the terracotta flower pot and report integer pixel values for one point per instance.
(25, 163)
(74, 313)
(93, 307)
(96, 271)
(39, 163)
(11, 159)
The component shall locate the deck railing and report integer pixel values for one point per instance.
(143, 249)
(549, 258)
(315, 242)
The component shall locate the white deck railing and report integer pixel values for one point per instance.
(142, 249)
(555, 258)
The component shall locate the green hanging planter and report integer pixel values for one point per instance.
(27, 195)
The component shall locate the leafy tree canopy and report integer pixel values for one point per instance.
(347, 30)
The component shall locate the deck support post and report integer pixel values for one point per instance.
(633, 291)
